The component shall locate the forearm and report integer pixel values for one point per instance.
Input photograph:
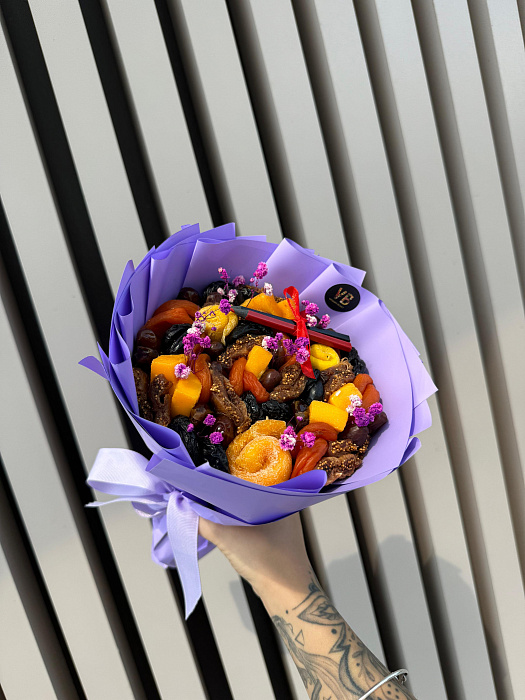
(332, 661)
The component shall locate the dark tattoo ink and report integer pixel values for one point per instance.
(347, 669)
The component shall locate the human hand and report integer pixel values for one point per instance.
(270, 557)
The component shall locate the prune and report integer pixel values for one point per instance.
(190, 441)
(359, 367)
(147, 339)
(224, 425)
(248, 328)
(254, 408)
(215, 349)
(190, 294)
(171, 343)
(378, 422)
(270, 379)
(213, 299)
(353, 355)
(313, 391)
(215, 456)
(276, 410)
(244, 292)
(143, 356)
(212, 288)
(356, 434)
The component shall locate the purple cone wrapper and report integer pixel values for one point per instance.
(169, 489)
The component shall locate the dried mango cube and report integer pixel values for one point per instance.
(165, 364)
(185, 396)
(341, 397)
(258, 361)
(321, 412)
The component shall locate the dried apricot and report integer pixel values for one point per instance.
(370, 396)
(323, 430)
(361, 381)
(269, 426)
(188, 306)
(251, 383)
(263, 461)
(202, 372)
(236, 374)
(223, 323)
(309, 456)
(160, 323)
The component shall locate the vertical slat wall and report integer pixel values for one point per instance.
(385, 134)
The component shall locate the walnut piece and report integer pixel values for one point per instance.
(292, 383)
(159, 395)
(225, 400)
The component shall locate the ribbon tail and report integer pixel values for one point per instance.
(183, 526)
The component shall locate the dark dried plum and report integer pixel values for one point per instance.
(270, 379)
(254, 408)
(358, 435)
(190, 441)
(213, 299)
(212, 288)
(215, 455)
(353, 355)
(277, 410)
(143, 356)
(359, 367)
(248, 327)
(215, 349)
(313, 391)
(378, 422)
(171, 343)
(190, 294)
(147, 339)
(244, 292)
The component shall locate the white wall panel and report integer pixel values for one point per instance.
(90, 134)
(159, 112)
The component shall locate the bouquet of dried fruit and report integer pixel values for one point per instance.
(251, 394)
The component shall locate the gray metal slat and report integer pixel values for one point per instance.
(155, 98)
(90, 134)
(91, 406)
(17, 658)
(426, 208)
(220, 92)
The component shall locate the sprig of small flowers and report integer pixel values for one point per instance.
(310, 309)
(362, 417)
(299, 347)
(289, 438)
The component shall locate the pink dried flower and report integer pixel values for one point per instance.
(289, 346)
(225, 306)
(374, 410)
(302, 355)
(190, 427)
(238, 280)
(223, 274)
(289, 431)
(287, 442)
(182, 371)
(209, 420)
(205, 341)
(360, 417)
(268, 288)
(311, 308)
(220, 290)
(216, 437)
(308, 438)
(231, 295)
(311, 321)
(261, 271)
(325, 320)
(270, 343)
(354, 402)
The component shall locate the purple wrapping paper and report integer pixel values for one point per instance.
(169, 489)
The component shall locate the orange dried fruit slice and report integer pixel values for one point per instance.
(361, 381)
(274, 428)
(263, 461)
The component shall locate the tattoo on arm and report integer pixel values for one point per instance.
(333, 662)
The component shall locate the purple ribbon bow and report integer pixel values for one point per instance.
(123, 473)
